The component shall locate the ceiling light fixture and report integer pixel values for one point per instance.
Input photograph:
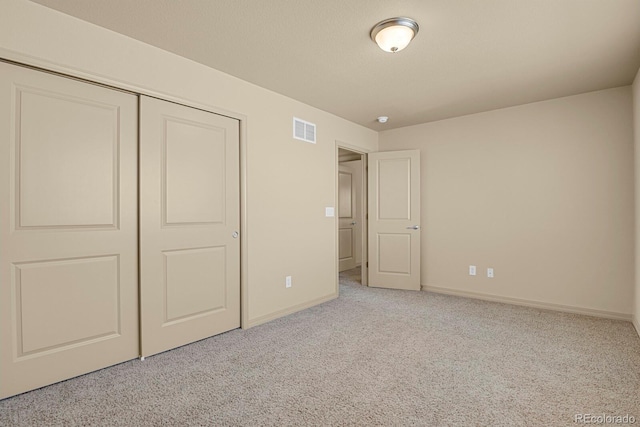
(393, 35)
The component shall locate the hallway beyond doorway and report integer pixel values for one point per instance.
(353, 276)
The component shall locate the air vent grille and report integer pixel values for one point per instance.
(304, 131)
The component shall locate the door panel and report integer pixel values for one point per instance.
(44, 290)
(68, 228)
(394, 180)
(190, 209)
(346, 219)
(51, 195)
(345, 201)
(394, 206)
(194, 155)
(189, 294)
(394, 253)
(346, 243)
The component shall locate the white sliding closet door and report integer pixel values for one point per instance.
(68, 228)
(189, 224)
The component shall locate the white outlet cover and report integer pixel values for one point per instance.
(489, 272)
(329, 212)
(287, 281)
(472, 270)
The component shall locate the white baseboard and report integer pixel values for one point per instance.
(535, 304)
(636, 324)
(289, 310)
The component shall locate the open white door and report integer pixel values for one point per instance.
(394, 219)
(347, 219)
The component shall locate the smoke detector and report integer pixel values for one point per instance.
(383, 119)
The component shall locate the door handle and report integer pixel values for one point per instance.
(235, 234)
(353, 223)
(414, 227)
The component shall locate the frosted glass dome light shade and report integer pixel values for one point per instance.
(393, 35)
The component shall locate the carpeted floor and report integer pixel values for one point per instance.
(351, 276)
(370, 357)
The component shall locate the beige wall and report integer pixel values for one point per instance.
(636, 129)
(542, 192)
(289, 182)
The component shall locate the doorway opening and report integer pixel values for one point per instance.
(390, 240)
(352, 216)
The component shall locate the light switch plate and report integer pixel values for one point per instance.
(329, 212)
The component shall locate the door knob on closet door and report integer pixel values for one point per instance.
(235, 234)
(353, 223)
(413, 227)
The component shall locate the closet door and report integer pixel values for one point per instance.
(68, 228)
(189, 225)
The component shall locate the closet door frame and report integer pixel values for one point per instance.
(19, 59)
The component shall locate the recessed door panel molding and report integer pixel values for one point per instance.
(189, 225)
(194, 153)
(345, 202)
(190, 295)
(394, 253)
(68, 228)
(394, 196)
(394, 229)
(62, 303)
(67, 152)
(346, 243)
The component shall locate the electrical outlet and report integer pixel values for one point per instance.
(287, 281)
(472, 270)
(490, 272)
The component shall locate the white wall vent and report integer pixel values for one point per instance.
(304, 131)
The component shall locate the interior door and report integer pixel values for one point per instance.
(347, 219)
(68, 228)
(189, 224)
(394, 219)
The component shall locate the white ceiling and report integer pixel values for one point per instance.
(469, 55)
